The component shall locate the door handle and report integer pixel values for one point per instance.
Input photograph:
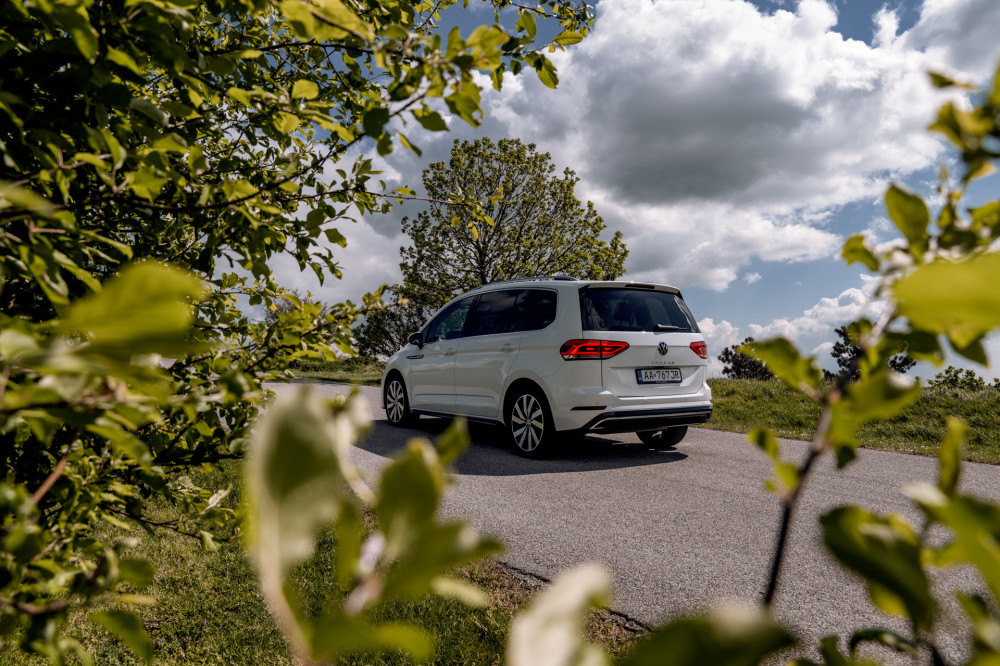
(508, 348)
(450, 352)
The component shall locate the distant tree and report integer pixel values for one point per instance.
(292, 301)
(539, 226)
(955, 378)
(385, 331)
(737, 365)
(845, 351)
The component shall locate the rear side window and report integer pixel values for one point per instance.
(541, 309)
(618, 309)
(496, 313)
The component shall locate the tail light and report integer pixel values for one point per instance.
(573, 350)
(700, 348)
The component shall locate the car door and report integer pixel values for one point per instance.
(432, 369)
(487, 352)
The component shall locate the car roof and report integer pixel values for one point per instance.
(567, 282)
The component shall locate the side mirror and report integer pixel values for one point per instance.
(416, 339)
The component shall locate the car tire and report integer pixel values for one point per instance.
(395, 402)
(667, 438)
(529, 423)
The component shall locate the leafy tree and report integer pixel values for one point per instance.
(955, 378)
(847, 353)
(738, 365)
(385, 331)
(149, 147)
(288, 303)
(538, 226)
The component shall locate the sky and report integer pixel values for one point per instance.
(735, 144)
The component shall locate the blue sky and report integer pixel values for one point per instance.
(735, 144)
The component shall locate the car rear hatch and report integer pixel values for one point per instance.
(666, 351)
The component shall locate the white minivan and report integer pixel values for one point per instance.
(547, 357)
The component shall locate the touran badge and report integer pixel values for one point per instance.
(663, 348)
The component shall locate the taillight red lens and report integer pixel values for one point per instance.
(573, 350)
(700, 348)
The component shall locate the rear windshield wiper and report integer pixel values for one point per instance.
(667, 327)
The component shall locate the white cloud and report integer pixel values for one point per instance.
(750, 278)
(718, 336)
(714, 135)
(823, 317)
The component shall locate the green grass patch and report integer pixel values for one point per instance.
(740, 405)
(353, 370)
(209, 609)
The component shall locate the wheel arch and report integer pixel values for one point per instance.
(520, 383)
(394, 372)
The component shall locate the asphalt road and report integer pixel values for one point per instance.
(679, 530)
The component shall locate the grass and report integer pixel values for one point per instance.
(741, 405)
(353, 370)
(209, 609)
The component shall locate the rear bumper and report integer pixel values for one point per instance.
(648, 419)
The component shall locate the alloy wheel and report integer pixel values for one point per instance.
(527, 422)
(395, 401)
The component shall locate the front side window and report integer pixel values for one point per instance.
(451, 322)
(617, 309)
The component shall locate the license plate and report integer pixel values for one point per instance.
(658, 375)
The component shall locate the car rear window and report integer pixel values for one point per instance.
(620, 309)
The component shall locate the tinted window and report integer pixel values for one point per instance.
(449, 324)
(541, 309)
(633, 310)
(495, 313)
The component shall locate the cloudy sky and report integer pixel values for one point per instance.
(736, 144)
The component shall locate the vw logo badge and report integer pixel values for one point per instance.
(663, 348)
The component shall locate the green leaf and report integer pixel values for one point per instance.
(857, 250)
(486, 38)
(343, 19)
(526, 23)
(547, 73)
(950, 456)
(975, 525)
(137, 572)
(553, 624)
(147, 182)
(240, 95)
(305, 89)
(958, 299)
(298, 469)
(73, 18)
(453, 441)
(430, 120)
(458, 589)
(726, 637)
(568, 37)
(127, 627)
(406, 143)
(299, 16)
(147, 309)
(341, 635)
(286, 123)
(886, 553)
(909, 212)
(880, 395)
(374, 120)
(783, 359)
